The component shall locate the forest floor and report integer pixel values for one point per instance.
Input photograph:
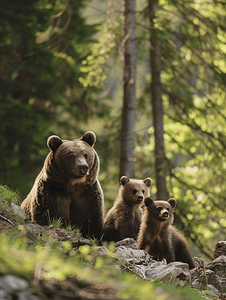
(58, 264)
(71, 288)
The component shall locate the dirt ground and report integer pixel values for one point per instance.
(5, 219)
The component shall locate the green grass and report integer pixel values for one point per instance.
(56, 223)
(59, 261)
(58, 265)
(7, 195)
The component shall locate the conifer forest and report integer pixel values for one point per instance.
(148, 77)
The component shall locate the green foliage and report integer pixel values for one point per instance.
(208, 294)
(73, 229)
(193, 84)
(94, 65)
(10, 261)
(50, 70)
(7, 195)
(83, 264)
(56, 223)
(58, 261)
(140, 289)
(42, 46)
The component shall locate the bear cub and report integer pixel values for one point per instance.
(67, 186)
(124, 218)
(159, 237)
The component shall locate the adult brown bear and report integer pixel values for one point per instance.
(67, 186)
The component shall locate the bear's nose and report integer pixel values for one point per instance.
(83, 169)
(140, 198)
(165, 214)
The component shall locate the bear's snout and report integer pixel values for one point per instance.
(165, 214)
(83, 169)
(140, 198)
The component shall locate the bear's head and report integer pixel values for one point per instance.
(75, 160)
(134, 190)
(160, 210)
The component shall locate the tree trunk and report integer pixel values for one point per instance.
(157, 105)
(129, 101)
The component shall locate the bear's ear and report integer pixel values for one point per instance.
(89, 137)
(148, 201)
(54, 142)
(172, 202)
(147, 181)
(124, 180)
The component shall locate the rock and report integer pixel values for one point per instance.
(212, 279)
(115, 267)
(58, 292)
(102, 250)
(13, 284)
(141, 263)
(33, 230)
(4, 295)
(200, 262)
(18, 210)
(128, 242)
(220, 249)
(223, 283)
(218, 266)
(138, 270)
(27, 295)
(176, 272)
(47, 287)
(79, 241)
(131, 259)
(195, 283)
(212, 289)
(200, 278)
(131, 256)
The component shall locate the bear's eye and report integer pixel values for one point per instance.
(134, 192)
(167, 208)
(72, 157)
(143, 191)
(159, 209)
(86, 156)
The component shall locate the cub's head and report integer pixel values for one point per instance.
(134, 190)
(160, 210)
(73, 159)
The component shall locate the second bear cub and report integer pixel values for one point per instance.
(159, 237)
(124, 218)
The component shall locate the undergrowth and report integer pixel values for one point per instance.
(7, 195)
(58, 261)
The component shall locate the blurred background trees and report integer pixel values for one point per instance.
(41, 49)
(61, 72)
(129, 55)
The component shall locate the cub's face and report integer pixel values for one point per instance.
(160, 210)
(135, 190)
(74, 159)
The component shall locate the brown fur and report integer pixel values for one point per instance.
(67, 186)
(124, 218)
(159, 237)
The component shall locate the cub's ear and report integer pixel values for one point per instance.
(54, 142)
(124, 180)
(147, 181)
(89, 137)
(172, 202)
(148, 201)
